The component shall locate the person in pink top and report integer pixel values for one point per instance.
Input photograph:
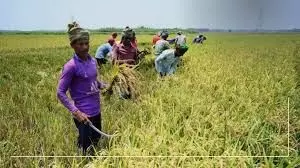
(79, 77)
(125, 52)
(130, 33)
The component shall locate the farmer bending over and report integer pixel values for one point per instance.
(166, 63)
(79, 77)
(130, 34)
(103, 53)
(199, 39)
(155, 38)
(162, 44)
(114, 35)
(125, 52)
(180, 39)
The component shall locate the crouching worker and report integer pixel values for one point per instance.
(199, 39)
(162, 44)
(155, 38)
(114, 35)
(180, 39)
(103, 53)
(130, 33)
(166, 63)
(125, 53)
(79, 77)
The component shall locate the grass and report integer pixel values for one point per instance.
(228, 98)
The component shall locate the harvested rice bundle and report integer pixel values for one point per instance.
(125, 81)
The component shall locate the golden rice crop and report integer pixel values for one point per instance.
(230, 98)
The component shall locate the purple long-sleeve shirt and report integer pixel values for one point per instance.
(80, 78)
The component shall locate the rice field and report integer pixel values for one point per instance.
(236, 97)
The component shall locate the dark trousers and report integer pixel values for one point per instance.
(162, 74)
(88, 136)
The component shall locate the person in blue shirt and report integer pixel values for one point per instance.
(167, 62)
(104, 52)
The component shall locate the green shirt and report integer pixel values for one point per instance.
(160, 46)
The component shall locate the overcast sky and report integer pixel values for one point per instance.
(233, 14)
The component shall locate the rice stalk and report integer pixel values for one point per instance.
(142, 54)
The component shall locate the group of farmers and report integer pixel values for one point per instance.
(79, 74)
(126, 51)
(166, 57)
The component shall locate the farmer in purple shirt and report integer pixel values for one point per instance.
(79, 77)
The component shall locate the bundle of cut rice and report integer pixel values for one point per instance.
(125, 81)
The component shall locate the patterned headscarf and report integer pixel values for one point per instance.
(182, 49)
(164, 33)
(128, 33)
(75, 32)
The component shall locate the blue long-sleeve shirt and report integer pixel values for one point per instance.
(103, 51)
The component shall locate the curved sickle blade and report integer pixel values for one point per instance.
(97, 130)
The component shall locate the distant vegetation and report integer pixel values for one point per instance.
(146, 30)
(139, 30)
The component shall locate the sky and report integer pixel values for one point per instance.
(217, 14)
(243, 14)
